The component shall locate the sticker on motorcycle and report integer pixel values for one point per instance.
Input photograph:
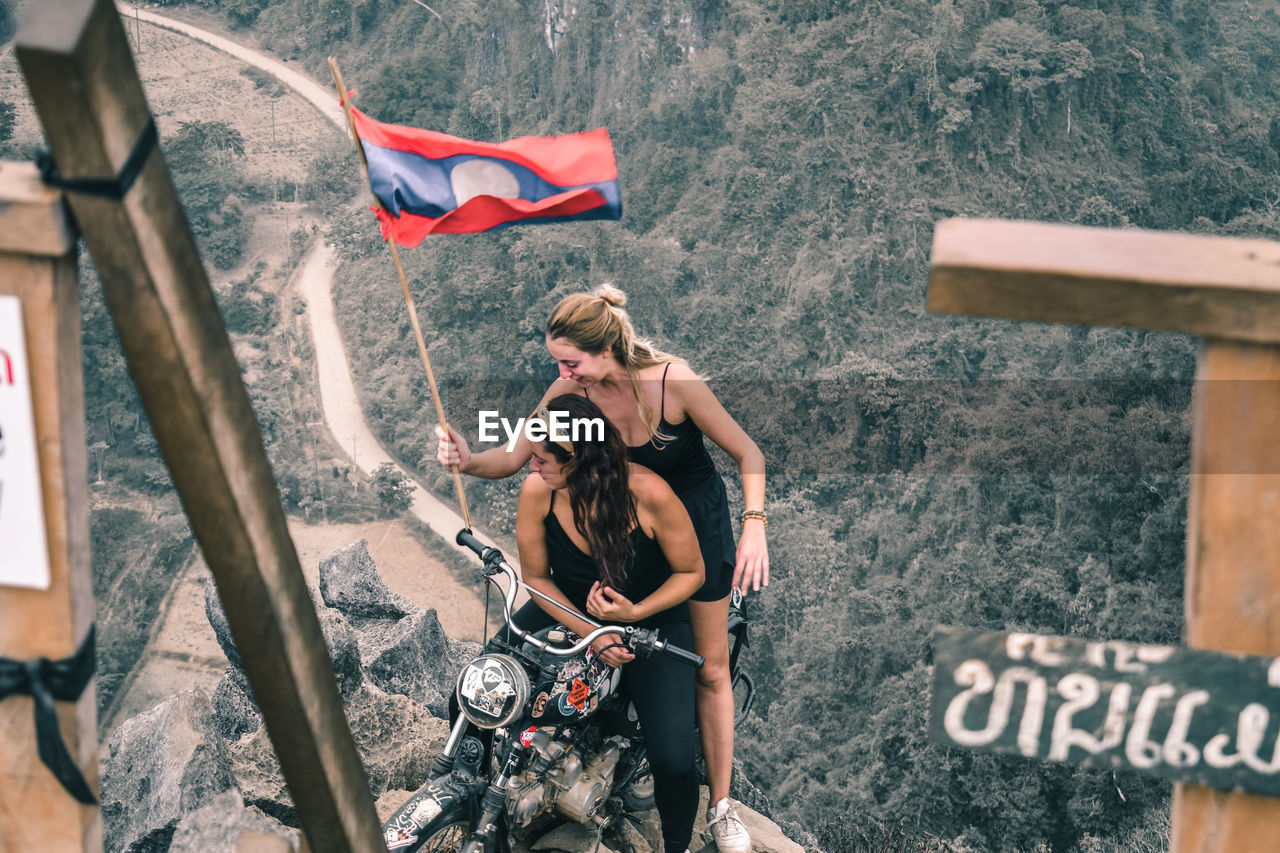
(425, 811)
(471, 681)
(526, 736)
(491, 676)
(572, 668)
(540, 704)
(495, 700)
(396, 839)
(579, 693)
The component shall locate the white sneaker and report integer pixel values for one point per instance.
(727, 829)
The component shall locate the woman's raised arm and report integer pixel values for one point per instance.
(496, 463)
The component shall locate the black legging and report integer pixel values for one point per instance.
(662, 691)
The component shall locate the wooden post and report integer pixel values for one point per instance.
(1228, 291)
(38, 266)
(85, 88)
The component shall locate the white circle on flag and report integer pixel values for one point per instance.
(471, 178)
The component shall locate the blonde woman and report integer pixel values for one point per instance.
(662, 410)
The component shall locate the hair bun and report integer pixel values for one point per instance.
(611, 295)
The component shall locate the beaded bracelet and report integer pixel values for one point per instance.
(755, 513)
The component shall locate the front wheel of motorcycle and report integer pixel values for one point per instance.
(446, 833)
(637, 796)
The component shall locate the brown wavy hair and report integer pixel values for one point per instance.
(604, 510)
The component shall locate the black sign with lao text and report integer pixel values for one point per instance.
(1188, 715)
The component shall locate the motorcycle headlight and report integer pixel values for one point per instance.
(493, 690)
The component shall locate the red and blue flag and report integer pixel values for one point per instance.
(433, 183)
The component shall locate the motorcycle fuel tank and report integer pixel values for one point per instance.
(580, 684)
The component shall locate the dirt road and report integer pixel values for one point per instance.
(182, 649)
(342, 411)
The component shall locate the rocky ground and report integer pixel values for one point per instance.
(183, 650)
(196, 772)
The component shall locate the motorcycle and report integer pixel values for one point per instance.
(541, 735)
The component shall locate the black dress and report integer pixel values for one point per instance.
(684, 463)
(661, 689)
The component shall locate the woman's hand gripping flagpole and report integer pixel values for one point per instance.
(344, 98)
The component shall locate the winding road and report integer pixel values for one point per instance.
(342, 412)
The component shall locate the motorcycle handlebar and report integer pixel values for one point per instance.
(682, 655)
(466, 539)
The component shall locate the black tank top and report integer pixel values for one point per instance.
(682, 461)
(574, 571)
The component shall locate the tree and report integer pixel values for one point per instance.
(394, 490)
(205, 157)
(7, 25)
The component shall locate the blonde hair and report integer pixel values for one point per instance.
(596, 321)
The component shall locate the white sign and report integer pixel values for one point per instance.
(24, 552)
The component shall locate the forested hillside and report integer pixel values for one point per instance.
(782, 165)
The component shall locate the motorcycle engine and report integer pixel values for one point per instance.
(560, 778)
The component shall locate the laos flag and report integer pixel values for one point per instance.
(432, 183)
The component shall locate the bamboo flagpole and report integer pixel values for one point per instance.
(408, 298)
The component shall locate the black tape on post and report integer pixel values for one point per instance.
(48, 681)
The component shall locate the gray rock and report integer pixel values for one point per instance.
(349, 582)
(645, 837)
(159, 767)
(572, 838)
(344, 650)
(397, 739)
(218, 827)
(258, 772)
(412, 657)
(235, 713)
(218, 620)
(235, 710)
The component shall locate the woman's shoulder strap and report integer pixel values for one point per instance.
(662, 397)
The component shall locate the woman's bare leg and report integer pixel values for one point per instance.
(714, 692)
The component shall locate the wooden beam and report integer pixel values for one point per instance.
(33, 219)
(260, 842)
(1233, 561)
(38, 266)
(1227, 290)
(1220, 287)
(75, 57)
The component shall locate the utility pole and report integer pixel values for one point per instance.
(315, 461)
(355, 467)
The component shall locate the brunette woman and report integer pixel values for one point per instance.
(609, 538)
(662, 410)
